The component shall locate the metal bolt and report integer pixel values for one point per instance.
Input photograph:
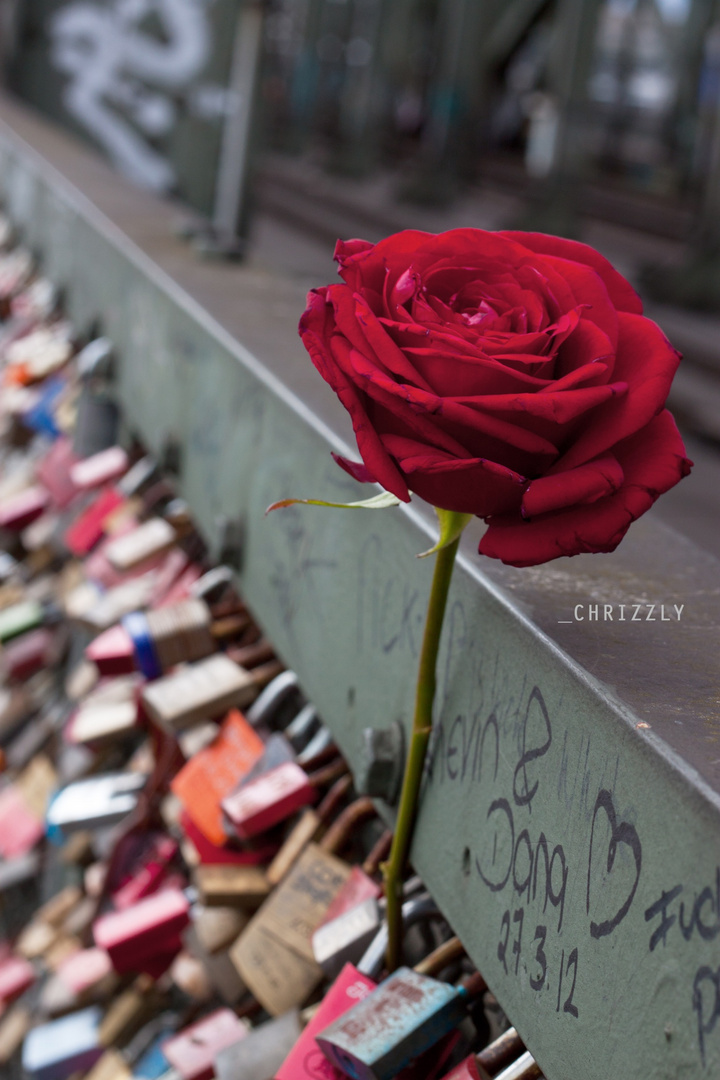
(381, 760)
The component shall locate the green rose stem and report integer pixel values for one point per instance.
(452, 523)
(419, 738)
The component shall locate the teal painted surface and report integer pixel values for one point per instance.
(563, 842)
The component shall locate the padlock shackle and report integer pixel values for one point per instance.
(413, 911)
(343, 827)
(502, 1052)
(378, 853)
(439, 958)
(272, 697)
(524, 1068)
(328, 807)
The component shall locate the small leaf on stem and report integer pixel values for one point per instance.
(452, 524)
(376, 502)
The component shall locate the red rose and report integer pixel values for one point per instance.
(508, 375)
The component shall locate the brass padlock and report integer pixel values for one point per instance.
(274, 955)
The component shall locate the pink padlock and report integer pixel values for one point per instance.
(147, 930)
(53, 472)
(269, 799)
(112, 651)
(192, 1052)
(358, 888)
(16, 975)
(102, 468)
(21, 509)
(306, 1060)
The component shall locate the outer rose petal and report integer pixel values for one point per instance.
(316, 328)
(621, 291)
(646, 361)
(653, 461)
(356, 469)
(586, 484)
(468, 486)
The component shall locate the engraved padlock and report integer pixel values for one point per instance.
(274, 954)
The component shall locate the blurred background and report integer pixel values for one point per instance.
(278, 126)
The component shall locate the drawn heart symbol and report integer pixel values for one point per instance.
(620, 833)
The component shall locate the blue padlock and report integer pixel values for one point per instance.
(406, 1015)
(56, 1050)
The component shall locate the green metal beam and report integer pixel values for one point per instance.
(570, 827)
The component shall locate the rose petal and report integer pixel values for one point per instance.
(646, 361)
(469, 486)
(356, 469)
(363, 265)
(467, 376)
(316, 327)
(383, 347)
(590, 290)
(586, 484)
(653, 461)
(620, 291)
(558, 408)
(586, 344)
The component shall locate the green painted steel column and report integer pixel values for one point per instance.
(697, 283)
(690, 63)
(304, 81)
(555, 203)
(449, 137)
(363, 95)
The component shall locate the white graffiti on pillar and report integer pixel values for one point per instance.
(122, 77)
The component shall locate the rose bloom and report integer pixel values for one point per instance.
(508, 375)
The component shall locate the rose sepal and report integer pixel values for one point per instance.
(452, 524)
(383, 501)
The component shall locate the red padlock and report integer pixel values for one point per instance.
(150, 875)
(269, 799)
(21, 509)
(87, 529)
(210, 854)
(147, 935)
